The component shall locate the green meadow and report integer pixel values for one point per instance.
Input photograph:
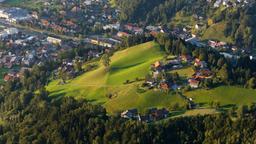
(225, 95)
(129, 64)
(132, 64)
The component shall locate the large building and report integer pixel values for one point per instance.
(53, 40)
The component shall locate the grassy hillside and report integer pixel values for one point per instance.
(133, 63)
(226, 95)
(125, 65)
(216, 32)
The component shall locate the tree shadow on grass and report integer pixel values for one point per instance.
(114, 69)
(202, 104)
(57, 94)
(226, 108)
(176, 113)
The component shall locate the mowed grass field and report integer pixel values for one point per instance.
(225, 95)
(127, 64)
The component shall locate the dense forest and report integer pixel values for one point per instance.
(240, 20)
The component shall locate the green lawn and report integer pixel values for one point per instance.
(185, 72)
(125, 65)
(226, 95)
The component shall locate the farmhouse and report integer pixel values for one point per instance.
(154, 114)
(193, 83)
(164, 86)
(123, 34)
(158, 114)
(130, 114)
(203, 74)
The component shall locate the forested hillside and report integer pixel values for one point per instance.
(240, 20)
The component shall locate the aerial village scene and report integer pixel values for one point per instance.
(29, 38)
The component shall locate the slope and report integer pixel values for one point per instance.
(130, 64)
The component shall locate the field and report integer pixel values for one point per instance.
(225, 95)
(216, 32)
(128, 64)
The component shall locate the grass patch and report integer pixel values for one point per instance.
(225, 95)
(185, 72)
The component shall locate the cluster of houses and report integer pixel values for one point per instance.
(153, 114)
(25, 49)
(202, 72)
(21, 50)
(75, 17)
(158, 81)
(67, 68)
(159, 68)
